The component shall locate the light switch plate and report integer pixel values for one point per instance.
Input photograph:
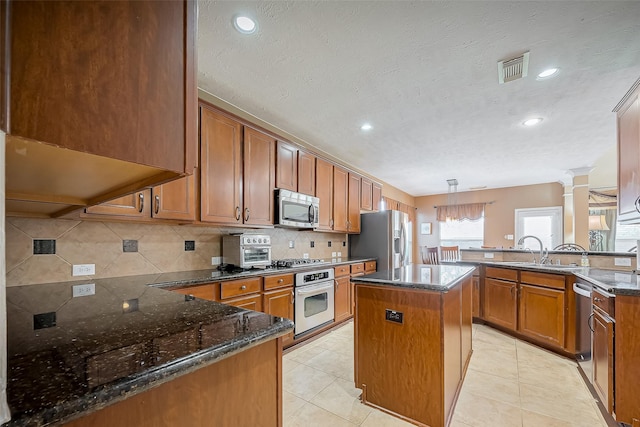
(622, 262)
(333, 254)
(488, 255)
(216, 260)
(84, 290)
(305, 255)
(84, 269)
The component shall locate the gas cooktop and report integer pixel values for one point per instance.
(297, 262)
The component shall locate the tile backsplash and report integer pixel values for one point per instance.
(160, 248)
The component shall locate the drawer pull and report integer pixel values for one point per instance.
(243, 287)
(596, 299)
(280, 280)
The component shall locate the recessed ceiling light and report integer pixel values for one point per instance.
(366, 126)
(549, 72)
(244, 24)
(532, 122)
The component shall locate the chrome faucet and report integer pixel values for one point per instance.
(544, 253)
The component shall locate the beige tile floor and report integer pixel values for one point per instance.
(508, 383)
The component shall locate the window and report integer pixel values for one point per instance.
(627, 236)
(544, 223)
(464, 234)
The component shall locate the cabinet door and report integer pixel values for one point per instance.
(352, 294)
(280, 303)
(324, 191)
(252, 302)
(376, 196)
(366, 194)
(135, 206)
(175, 200)
(603, 358)
(467, 320)
(476, 296)
(541, 314)
(500, 302)
(629, 159)
(353, 221)
(259, 177)
(287, 167)
(342, 304)
(220, 168)
(306, 173)
(340, 199)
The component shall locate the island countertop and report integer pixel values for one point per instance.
(419, 276)
(72, 356)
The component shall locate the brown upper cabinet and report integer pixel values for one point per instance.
(295, 169)
(340, 199)
(628, 111)
(324, 191)
(376, 196)
(353, 221)
(175, 200)
(87, 120)
(237, 171)
(366, 194)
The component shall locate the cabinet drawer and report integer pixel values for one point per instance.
(236, 288)
(370, 266)
(357, 268)
(279, 281)
(555, 281)
(207, 291)
(603, 302)
(342, 270)
(502, 273)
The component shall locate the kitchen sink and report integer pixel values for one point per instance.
(538, 266)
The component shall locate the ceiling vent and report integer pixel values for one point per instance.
(513, 69)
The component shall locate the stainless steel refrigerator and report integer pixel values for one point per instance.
(384, 235)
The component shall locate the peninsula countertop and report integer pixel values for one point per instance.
(419, 276)
(72, 356)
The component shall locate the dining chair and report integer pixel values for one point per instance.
(449, 253)
(430, 255)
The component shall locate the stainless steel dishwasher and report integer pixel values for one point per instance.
(584, 316)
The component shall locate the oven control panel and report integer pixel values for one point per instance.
(312, 277)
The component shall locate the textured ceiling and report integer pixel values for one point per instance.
(424, 74)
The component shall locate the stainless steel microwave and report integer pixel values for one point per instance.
(296, 210)
(247, 250)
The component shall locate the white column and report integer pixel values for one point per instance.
(4, 409)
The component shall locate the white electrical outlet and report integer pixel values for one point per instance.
(305, 255)
(622, 262)
(339, 254)
(333, 254)
(216, 260)
(84, 270)
(291, 244)
(84, 290)
(488, 255)
(508, 236)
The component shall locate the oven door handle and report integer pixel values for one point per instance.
(313, 290)
(581, 290)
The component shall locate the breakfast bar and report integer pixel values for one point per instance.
(413, 340)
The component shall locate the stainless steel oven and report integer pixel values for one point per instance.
(314, 298)
(583, 290)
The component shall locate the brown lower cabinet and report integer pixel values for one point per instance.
(500, 302)
(419, 363)
(280, 303)
(342, 302)
(197, 398)
(541, 312)
(602, 357)
(476, 296)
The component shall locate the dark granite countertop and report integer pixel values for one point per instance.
(590, 253)
(68, 357)
(612, 281)
(419, 276)
(197, 277)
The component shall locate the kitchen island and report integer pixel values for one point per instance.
(413, 340)
(122, 352)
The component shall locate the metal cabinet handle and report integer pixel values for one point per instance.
(280, 280)
(337, 283)
(590, 322)
(637, 204)
(511, 290)
(292, 296)
(246, 214)
(596, 299)
(331, 223)
(141, 198)
(243, 287)
(237, 213)
(157, 204)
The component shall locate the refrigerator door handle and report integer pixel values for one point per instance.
(402, 246)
